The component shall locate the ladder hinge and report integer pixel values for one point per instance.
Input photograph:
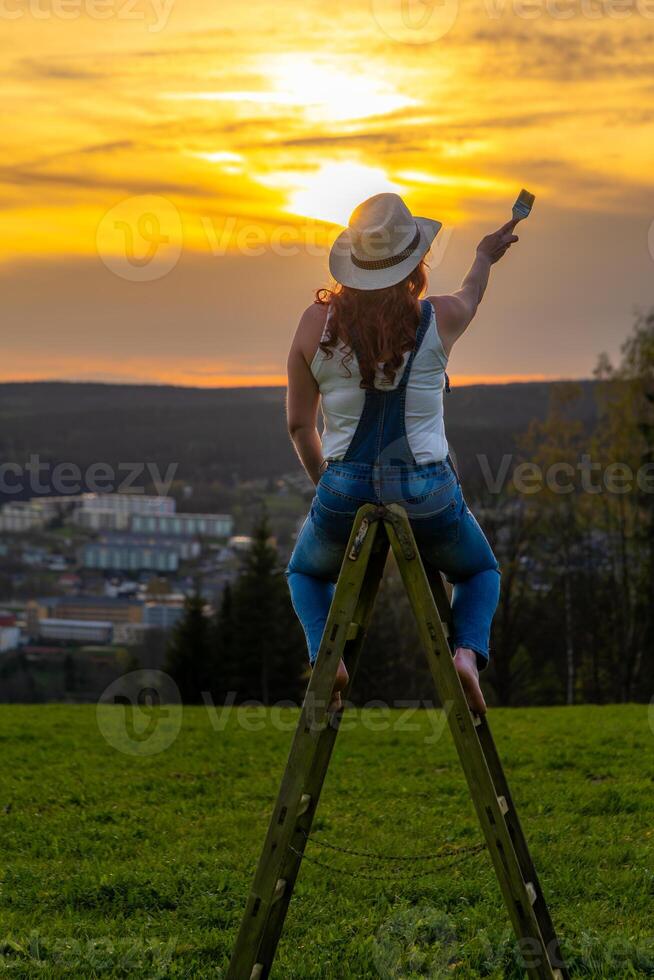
(531, 891)
(280, 888)
(504, 806)
(476, 720)
(257, 971)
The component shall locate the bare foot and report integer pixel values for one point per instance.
(342, 678)
(465, 662)
(336, 703)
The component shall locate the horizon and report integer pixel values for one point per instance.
(455, 384)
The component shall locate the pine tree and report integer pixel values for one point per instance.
(266, 648)
(224, 679)
(190, 651)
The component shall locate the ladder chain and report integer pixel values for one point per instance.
(444, 851)
(393, 873)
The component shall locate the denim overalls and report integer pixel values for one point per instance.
(379, 467)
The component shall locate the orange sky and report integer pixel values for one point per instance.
(172, 173)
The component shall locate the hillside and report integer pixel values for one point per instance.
(225, 435)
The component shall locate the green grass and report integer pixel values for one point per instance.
(119, 865)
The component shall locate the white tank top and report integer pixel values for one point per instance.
(341, 398)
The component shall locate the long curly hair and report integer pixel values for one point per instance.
(377, 325)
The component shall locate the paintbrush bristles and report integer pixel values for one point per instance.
(523, 206)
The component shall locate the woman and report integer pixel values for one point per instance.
(374, 356)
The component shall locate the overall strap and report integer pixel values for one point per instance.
(425, 320)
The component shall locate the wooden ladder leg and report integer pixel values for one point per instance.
(309, 756)
(523, 855)
(518, 893)
(501, 785)
(316, 776)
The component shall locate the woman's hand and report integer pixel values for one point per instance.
(495, 245)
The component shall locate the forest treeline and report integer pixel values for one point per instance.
(217, 438)
(572, 524)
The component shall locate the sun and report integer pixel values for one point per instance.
(332, 91)
(320, 90)
(332, 192)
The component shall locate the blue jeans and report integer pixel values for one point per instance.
(448, 537)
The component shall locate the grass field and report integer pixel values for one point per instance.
(120, 865)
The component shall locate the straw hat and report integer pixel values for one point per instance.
(382, 244)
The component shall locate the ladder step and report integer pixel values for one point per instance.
(353, 631)
(303, 805)
(257, 971)
(504, 806)
(280, 888)
(531, 891)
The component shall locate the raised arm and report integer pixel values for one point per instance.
(455, 312)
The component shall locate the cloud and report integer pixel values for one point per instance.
(544, 51)
(129, 185)
(39, 68)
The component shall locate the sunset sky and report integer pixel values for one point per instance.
(172, 173)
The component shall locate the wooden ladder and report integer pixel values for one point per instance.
(375, 529)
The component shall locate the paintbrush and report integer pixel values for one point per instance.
(523, 205)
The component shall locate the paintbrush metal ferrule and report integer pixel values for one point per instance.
(523, 205)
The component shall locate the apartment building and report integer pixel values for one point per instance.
(184, 525)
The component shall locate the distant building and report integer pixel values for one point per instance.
(162, 616)
(33, 514)
(130, 555)
(76, 630)
(131, 503)
(114, 511)
(9, 632)
(34, 556)
(240, 542)
(86, 608)
(20, 515)
(95, 511)
(69, 581)
(102, 519)
(130, 634)
(122, 550)
(186, 525)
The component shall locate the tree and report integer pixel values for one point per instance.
(190, 651)
(625, 443)
(556, 445)
(259, 639)
(70, 674)
(224, 680)
(510, 524)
